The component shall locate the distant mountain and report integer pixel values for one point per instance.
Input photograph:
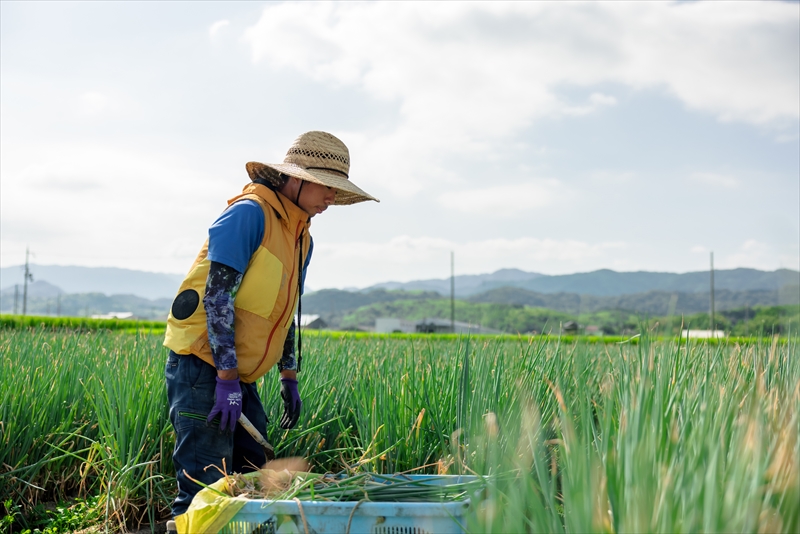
(334, 304)
(47, 299)
(605, 282)
(515, 318)
(465, 284)
(338, 300)
(659, 303)
(36, 289)
(744, 283)
(107, 280)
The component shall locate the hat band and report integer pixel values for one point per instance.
(330, 170)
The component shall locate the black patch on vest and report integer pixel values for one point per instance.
(185, 304)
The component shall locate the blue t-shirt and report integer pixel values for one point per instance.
(235, 235)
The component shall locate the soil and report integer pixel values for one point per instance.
(159, 528)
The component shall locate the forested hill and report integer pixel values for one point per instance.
(510, 318)
(333, 304)
(605, 282)
(651, 302)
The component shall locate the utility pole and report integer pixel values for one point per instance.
(16, 297)
(713, 327)
(452, 292)
(28, 276)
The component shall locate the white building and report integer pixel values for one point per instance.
(430, 325)
(392, 325)
(314, 322)
(114, 315)
(702, 334)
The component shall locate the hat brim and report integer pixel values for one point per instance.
(346, 191)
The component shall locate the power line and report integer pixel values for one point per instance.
(713, 328)
(452, 292)
(28, 276)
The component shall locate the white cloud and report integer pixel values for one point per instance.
(403, 162)
(95, 204)
(600, 99)
(505, 200)
(716, 180)
(404, 258)
(93, 102)
(751, 253)
(93, 160)
(612, 178)
(215, 28)
(787, 138)
(510, 57)
(468, 76)
(596, 101)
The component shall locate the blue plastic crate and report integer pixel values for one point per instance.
(324, 517)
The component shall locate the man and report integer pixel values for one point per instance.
(233, 317)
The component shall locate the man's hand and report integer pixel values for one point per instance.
(227, 403)
(291, 403)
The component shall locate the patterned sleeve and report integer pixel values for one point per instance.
(221, 286)
(288, 361)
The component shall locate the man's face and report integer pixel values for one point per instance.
(315, 198)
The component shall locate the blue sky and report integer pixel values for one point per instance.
(549, 137)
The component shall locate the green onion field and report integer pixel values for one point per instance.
(646, 435)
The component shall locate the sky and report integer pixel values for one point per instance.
(549, 137)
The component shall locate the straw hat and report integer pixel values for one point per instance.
(316, 157)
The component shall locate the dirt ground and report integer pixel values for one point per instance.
(159, 528)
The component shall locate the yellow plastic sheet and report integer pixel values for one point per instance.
(209, 511)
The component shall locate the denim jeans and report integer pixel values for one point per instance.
(200, 445)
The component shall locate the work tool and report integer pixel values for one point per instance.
(253, 431)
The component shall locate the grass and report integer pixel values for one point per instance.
(157, 328)
(644, 435)
(83, 414)
(129, 326)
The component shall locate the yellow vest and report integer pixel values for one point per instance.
(265, 303)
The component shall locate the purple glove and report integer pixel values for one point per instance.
(291, 403)
(228, 403)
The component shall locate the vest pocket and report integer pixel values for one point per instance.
(261, 284)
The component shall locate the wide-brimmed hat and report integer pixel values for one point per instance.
(316, 157)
